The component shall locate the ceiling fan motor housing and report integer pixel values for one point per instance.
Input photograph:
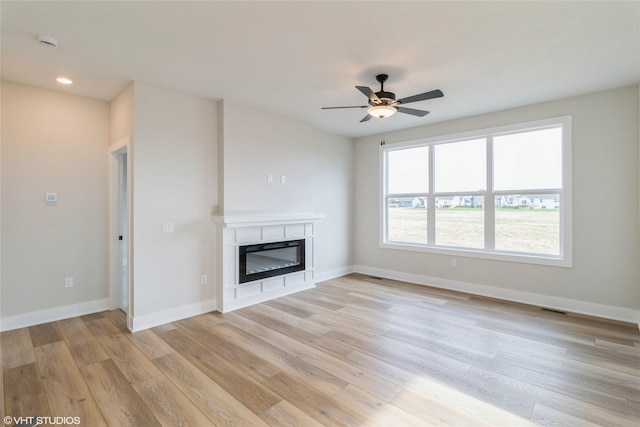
(386, 97)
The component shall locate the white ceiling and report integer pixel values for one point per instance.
(295, 57)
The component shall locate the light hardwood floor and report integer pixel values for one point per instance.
(355, 351)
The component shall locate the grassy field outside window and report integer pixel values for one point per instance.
(501, 193)
(526, 230)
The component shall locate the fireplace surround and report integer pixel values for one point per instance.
(261, 257)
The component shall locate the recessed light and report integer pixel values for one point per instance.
(64, 80)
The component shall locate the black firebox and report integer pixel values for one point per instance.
(270, 259)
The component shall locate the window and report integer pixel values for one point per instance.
(502, 193)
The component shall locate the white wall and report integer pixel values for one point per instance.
(52, 142)
(56, 142)
(605, 205)
(333, 197)
(121, 131)
(318, 167)
(258, 143)
(121, 115)
(175, 180)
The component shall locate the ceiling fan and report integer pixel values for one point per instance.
(384, 104)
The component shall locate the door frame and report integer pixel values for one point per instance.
(116, 152)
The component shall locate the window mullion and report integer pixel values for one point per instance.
(431, 200)
(489, 201)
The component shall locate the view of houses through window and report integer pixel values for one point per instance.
(500, 191)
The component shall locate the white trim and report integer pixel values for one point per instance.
(335, 273)
(479, 253)
(565, 259)
(263, 219)
(120, 145)
(547, 301)
(566, 203)
(123, 146)
(52, 314)
(146, 321)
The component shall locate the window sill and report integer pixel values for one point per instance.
(548, 260)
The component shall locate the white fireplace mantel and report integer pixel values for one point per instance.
(257, 219)
(235, 230)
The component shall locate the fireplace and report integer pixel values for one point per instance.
(264, 260)
(263, 256)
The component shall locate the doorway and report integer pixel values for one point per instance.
(120, 289)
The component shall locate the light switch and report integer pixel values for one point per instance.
(167, 227)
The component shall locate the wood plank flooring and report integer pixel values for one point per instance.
(355, 351)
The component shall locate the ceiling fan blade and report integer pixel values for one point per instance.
(421, 97)
(373, 98)
(412, 111)
(333, 108)
(365, 118)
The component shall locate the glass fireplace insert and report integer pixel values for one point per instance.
(264, 260)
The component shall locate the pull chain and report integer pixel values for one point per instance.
(382, 133)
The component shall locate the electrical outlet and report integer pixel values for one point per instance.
(269, 178)
(203, 279)
(167, 227)
(283, 179)
(68, 282)
(454, 262)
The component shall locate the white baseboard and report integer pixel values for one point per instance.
(139, 323)
(547, 301)
(146, 321)
(332, 274)
(52, 314)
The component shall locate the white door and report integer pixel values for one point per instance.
(124, 235)
(119, 230)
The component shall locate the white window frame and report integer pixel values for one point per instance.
(564, 259)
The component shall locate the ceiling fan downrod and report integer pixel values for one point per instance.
(382, 94)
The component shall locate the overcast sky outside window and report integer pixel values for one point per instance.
(522, 161)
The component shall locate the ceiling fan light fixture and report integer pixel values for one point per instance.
(382, 111)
